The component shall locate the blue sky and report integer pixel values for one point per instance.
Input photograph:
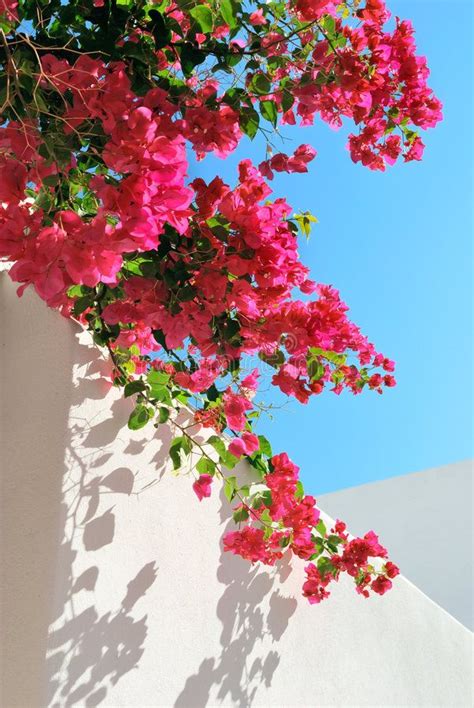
(398, 247)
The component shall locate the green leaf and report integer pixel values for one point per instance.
(267, 532)
(325, 566)
(231, 329)
(249, 121)
(190, 57)
(133, 387)
(265, 447)
(299, 493)
(158, 381)
(163, 414)
(78, 290)
(140, 416)
(161, 393)
(218, 445)
(51, 180)
(240, 515)
(287, 100)
(329, 25)
(233, 96)
(274, 360)
(186, 293)
(230, 461)
(268, 109)
(319, 546)
(182, 397)
(230, 488)
(181, 444)
(340, 41)
(315, 369)
(321, 527)
(158, 378)
(212, 393)
(187, 444)
(333, 357)
(159, 337)
(333, 541)
(81, 304)
(260, 84)
(284, 542)
(175, 452)
(304, 221)
(203, 17)
(135, 51)
(225, 456)
(206, 466)
(227, 12)
(161, 32)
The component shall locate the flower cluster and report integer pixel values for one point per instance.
(181, 280)
(378, 81)
(284, 519)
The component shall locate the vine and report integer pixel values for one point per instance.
(183, 281)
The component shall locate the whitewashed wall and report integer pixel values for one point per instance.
(114, 588)
(422, 517)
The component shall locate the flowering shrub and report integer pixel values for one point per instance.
(180, 280)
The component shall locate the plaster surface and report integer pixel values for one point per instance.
(115, 591)
(425, 518)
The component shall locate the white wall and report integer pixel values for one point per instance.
(425, 518)
(115, 591)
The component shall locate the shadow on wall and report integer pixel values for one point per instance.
(93, 644)
(251, 612)
(35, 380)
(68, 482)
(90, 647)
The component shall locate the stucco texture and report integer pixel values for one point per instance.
(115, 591)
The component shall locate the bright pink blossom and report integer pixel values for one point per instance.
(314, 588)
(257, 18)
(235, 407)
(202, 486)
(381, 585)
(245, 445)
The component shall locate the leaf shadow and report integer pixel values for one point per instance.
(94, 640)
(253, 617)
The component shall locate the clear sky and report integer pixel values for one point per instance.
(398, 245)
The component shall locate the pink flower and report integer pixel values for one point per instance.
(202, 486)
(245, 445)
(249, 384)
(257, 18)
(212, 130)
(303, 545)
(221, 31)
(416, 150)
(391, 569)
(285, 163)
(389, 381)
(313, 9)
(9, 9)
(388, 365)
(235, 407)
(381, 585)
(315, 586)
(250, 543)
